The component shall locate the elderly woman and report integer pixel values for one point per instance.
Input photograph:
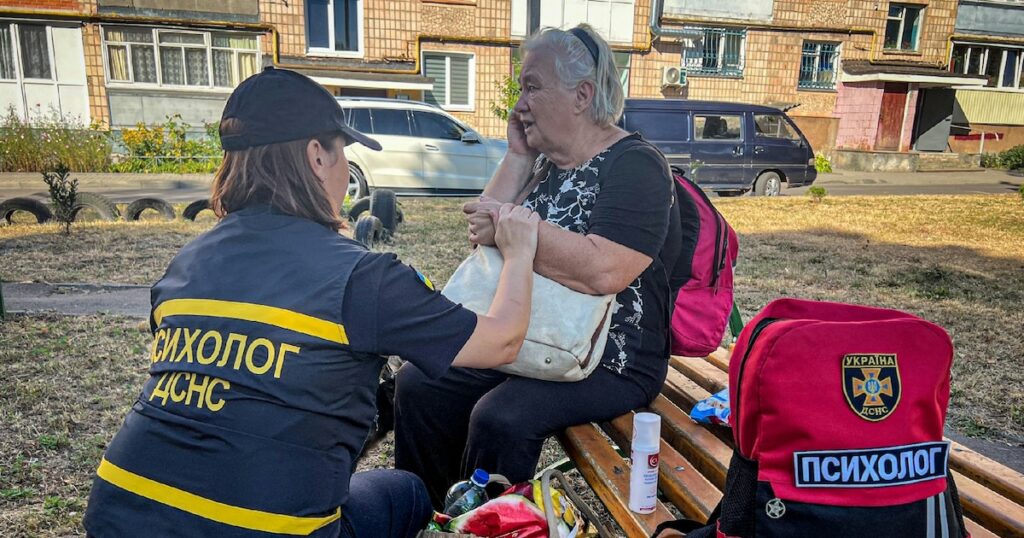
(605, 199)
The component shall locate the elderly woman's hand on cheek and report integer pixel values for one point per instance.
(482, 215)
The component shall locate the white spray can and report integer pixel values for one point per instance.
(643, 475)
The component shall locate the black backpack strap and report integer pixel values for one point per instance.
(957, 508)
(685, 526)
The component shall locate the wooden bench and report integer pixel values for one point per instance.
(695, 458)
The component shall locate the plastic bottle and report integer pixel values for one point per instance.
(643, 475)
(467, 495)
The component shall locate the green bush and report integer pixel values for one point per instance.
(990, 160)
(52, 139)
(822, 164)
(167, 147)
(1013, 158)
(817, 194)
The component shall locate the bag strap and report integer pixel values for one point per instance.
(684, 526)
(581, 506)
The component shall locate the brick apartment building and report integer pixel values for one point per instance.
(861, 74)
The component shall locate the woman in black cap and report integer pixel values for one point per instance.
(269, 335)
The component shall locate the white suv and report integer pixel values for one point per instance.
(426, 151)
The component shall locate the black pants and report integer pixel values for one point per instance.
(469, 419)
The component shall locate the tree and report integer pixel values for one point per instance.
(63, 192)
(508, 91)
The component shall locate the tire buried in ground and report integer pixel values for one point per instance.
(136, 208)
(369, 230)
(104, 208)
(384, 206)
(195, 208)
(37, 208)
(358, 207)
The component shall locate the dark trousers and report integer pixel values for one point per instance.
(482, 419)
(385, 504)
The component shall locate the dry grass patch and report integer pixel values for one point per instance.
(65, 387)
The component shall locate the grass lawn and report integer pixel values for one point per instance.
(65, 383)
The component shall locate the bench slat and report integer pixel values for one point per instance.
(720, 359)
(991, 510)
(678, 479)
(977, 531)
(708, 453)
(988, 472)
(701, 372)
(608, 474)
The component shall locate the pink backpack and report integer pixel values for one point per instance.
(702, 274)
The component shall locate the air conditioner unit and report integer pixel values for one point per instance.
(672, 76)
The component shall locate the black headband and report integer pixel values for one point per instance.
(587, 42)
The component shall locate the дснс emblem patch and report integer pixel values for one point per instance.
(871, 384)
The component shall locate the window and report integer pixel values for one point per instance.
(657, 126)
(453, 80)
(359, 118)
(773, 126)
(613, 19)
(902, 27)
(234, 59)
(175, 58)
(715, 127)
(6, 53)
(718, 52)
(391, 121)
(431, 125)
(183, 59)
(334, 26)
(35, 51)
(622, 60)
(818, 65)
(1002, 65)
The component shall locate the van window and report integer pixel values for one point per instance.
(390, 121)
(717, 127)
(657, 126)
(359, 118)
(773, 126)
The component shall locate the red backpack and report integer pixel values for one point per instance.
(837, 416)
(702, 273)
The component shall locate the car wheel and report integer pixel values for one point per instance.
(356, 183)
(384, 207)
(360, 206)
(38, 209)
(369, 230)
(136, 208)
(729, 194)
(768, 184)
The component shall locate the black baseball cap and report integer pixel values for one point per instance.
(278, 105)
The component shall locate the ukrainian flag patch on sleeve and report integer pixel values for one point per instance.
(423, 278)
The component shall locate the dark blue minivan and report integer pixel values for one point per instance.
(729, 148)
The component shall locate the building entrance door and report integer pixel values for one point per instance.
(890, 117)
(934, 118)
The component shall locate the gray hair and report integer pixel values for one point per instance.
(574, 64)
